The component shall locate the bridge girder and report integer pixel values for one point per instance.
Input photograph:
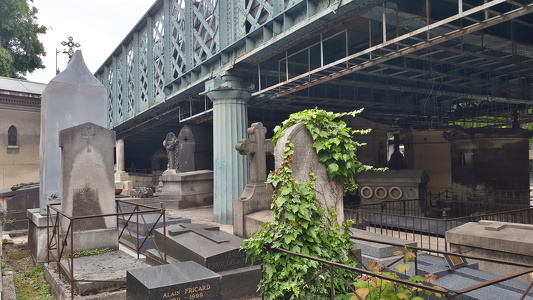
(405, 61)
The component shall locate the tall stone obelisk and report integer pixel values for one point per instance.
(71, 98)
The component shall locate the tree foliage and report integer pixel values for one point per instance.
(20, 48)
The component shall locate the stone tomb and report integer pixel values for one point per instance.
(88, 185)
(252, 209)
(511, 242)
(215, 250)
(376, 187)
(71, 98)
(204, 244)
(490, 164)
(383, 254)
(15, 205)
(178, 281)
(187, 189)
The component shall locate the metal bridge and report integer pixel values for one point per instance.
(417, 63)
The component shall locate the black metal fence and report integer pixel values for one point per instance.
(331, 268)
(426, 221)
(61, 229)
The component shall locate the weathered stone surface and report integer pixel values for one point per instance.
(88, 185)
(257, 195)
(329, 192)
(106, 273)
(391, 185)
(187, 189)
(500, 240)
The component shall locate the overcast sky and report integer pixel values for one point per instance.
(98, 25)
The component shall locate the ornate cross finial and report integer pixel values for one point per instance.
(256, 147)
(70, 45)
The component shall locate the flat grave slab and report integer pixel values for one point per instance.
(207, 245)
(181, 280)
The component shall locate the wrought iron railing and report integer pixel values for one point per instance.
(60, 236)
(409, 219)
(332, 269)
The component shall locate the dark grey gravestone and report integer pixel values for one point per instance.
(183, 280)
(207, 245)
(195, 148)
(16, 204)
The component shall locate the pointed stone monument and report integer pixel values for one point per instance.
(71, 98)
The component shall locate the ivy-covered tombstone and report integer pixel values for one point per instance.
(302, 223)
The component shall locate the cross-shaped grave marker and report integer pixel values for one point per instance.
(207, 231)
(256, 147)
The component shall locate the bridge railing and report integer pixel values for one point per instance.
(174, 44)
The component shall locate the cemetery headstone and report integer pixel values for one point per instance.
(181, 280)
(71, 98)
(16, 203)
(88, 185)
(215, 250)
(257, 195)
(329, 192)
(195, 148)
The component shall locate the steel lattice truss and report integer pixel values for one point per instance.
(407, 62)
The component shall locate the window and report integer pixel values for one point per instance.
(12, 136)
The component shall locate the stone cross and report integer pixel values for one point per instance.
(207, 231)
(256, 147)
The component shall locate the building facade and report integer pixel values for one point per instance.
(20, 118)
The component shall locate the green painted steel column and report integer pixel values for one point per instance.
(230, 120)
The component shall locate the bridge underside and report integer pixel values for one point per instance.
(431, 65)
(409, 63)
